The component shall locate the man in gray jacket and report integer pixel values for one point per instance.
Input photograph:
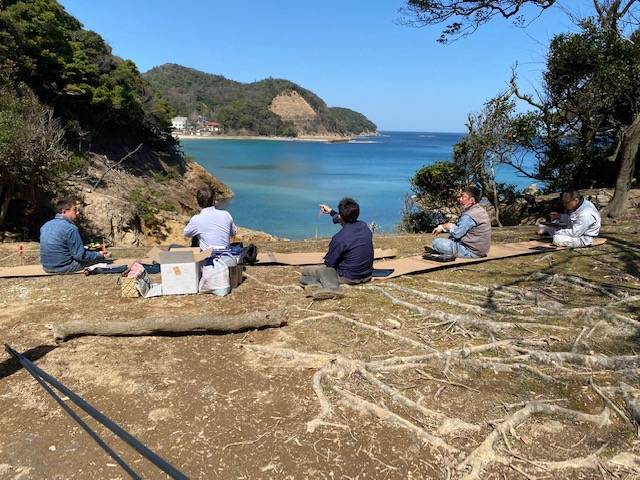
(471, 236)
(577, 228)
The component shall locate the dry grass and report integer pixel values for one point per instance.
(337, 393)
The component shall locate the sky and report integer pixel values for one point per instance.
(352, 53)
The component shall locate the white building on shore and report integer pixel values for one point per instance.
(179, 123)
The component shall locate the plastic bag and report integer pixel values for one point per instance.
(215, 278)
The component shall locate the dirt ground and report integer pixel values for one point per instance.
(519, 368)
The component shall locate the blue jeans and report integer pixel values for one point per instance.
(74, 266)
(449, 247)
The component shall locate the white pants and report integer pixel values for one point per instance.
(572, 242)
(564, 240)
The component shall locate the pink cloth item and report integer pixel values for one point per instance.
(136, 270)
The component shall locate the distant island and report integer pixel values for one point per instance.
(208, 105)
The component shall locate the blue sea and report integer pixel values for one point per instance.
(278, 185)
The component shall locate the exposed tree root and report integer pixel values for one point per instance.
(575, 282)
(617, 362)
(395, 363)
(627, 300)
(631, 398)
(524, 354)
(296, 359)
(485, 453)
(488, 326)
(373, 328)
(608, 401)
(515, 299)
(446, 425)
(435, 298)
(282, 288)
(362, 405)
(325, 407)
(509, 368)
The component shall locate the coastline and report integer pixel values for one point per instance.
(304, 138)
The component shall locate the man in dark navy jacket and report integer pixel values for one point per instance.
(350, 256)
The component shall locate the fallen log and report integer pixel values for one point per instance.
(151, 326)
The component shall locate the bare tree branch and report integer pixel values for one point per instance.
(115, 165)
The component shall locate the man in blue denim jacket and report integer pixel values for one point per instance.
(61, 247)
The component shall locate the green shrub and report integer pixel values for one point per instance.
(416, 220)
(32, 153)
(145, 207)
(169, 173)
(420, 221)
(436, 186)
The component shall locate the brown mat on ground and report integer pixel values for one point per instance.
(37, 271)
(311, 258)
(406, 265)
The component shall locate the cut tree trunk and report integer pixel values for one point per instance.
(6, 195)
(496, 202)
(627, 155)
(151, 326)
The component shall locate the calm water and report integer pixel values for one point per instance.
(278, 185)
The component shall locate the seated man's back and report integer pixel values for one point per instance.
(351, 251)
(213, 227)
(350, 256)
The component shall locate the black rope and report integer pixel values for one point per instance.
(45, 380)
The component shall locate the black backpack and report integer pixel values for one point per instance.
(249, 254)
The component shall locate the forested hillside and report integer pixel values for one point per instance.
(247, 107)
(70, 109)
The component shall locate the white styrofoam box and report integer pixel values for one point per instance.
(180, 270)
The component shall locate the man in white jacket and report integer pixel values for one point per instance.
(577, 228)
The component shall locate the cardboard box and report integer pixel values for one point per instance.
(180, 269)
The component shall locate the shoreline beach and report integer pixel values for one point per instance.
(302, 138)
(326, 139)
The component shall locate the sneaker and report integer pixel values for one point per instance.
(439, 257)
(324, 294)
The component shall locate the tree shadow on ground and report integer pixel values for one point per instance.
(630, 255)
(627, 252)
(11, 365)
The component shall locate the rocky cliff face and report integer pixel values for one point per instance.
(125, 209)
(291, 106)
